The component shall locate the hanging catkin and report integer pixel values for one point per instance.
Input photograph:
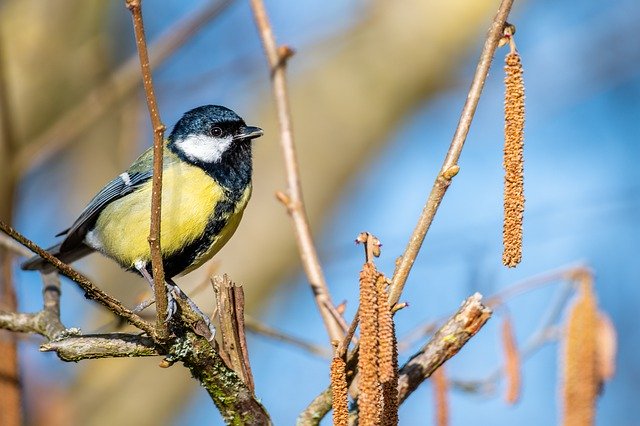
(369, 400)
(513, 160)
(579, 358)
(339, 391)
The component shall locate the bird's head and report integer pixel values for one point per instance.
(206, 133)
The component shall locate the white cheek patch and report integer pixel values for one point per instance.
(203, 148)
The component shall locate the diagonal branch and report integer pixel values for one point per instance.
(447, 342)
(90, 289)
(159, 289)
(277, 58)
(449, 167)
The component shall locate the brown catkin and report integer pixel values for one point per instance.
(390, 390)
(513, 162)
(579, 358)
(340, 400)
(386, 334)
(512, 361)
(369, 399)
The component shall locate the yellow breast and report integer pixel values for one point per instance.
(189, 197)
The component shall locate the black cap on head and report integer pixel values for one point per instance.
(200, 120)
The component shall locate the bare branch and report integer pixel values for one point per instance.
(160, 291)
(447, 342)
(277, 58)
(90, 289)
(449, 167)
(257, 327)
(232, 396)
(95, 346)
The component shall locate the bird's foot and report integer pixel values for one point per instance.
(204, 327)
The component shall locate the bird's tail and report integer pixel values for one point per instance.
(36, 263)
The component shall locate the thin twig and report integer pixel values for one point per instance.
(449, 167)
(91, 291)
(562, 273)
(159, 289)
(277, 59)
(73, 122)
(257, 327)
(544, 334)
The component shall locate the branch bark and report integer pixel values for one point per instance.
(277, 58)
(449, 167)
(159, 289)
(447, 342)
(95, 346)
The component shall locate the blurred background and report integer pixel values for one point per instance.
(376, 91)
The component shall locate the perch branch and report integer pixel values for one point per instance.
(125, 79)
(277, 59)
(230, 394)
(159, 289)
(91, 291)
(95, 346)
(449, 167)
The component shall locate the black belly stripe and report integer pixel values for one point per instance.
(181, 260)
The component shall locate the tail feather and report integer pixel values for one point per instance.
(36, 263)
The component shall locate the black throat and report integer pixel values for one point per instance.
(232, 171)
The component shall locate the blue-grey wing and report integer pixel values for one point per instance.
(117, 188)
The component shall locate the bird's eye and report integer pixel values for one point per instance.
(216, 132)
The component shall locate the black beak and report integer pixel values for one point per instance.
(248, 132)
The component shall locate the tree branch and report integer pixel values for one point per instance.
(257, 327)
(95, 346)
(90, 289)
(277, 58)
(159, 289)
(449, 167)
(447, 342)
(231, 395)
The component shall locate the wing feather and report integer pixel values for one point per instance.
(117, 188)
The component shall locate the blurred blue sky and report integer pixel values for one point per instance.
(581, 179)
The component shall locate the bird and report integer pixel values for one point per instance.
(206, 185)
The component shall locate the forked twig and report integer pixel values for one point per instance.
(449, 167)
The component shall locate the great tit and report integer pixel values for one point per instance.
(206, 185)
